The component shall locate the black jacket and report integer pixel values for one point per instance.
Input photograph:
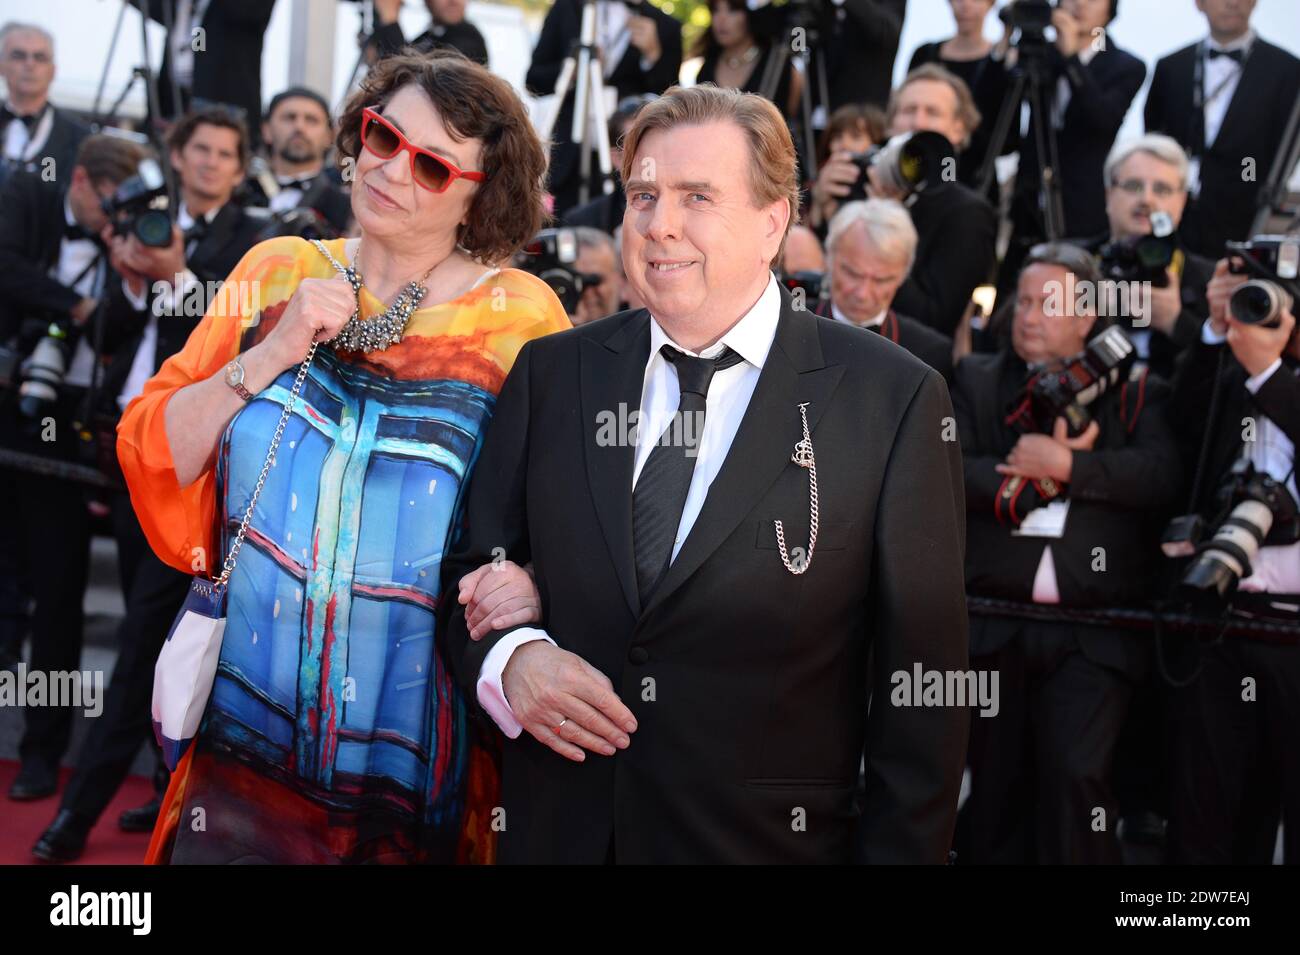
(229, 69)
(955, 251)
(1252, 129)
(761, 675)
(323, 193)
(31, 234)
(859, 41)
(462, 36)
(1120, 493)
(605, 212)
(66, 134)
(1100, 95)
(559, 31)
(925, 343)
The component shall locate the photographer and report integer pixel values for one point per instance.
(641, 52)
(871, 246)
(1146, 179)
(1235, 750)
(298, 135)
(1059, 520)
(598, 262)
(33, 132)
(447, 28)
(957, 228)
(860, 40)
(53, 272)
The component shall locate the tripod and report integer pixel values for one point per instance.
(1272, 195)
(1031, 83)
(588, 99)
(802, 16)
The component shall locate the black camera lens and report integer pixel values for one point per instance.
(1258, 302)
(153, 227)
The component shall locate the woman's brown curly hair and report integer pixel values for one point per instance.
(508, 209)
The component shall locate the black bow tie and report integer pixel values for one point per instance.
(7, 116)
(1237, 56)
(288, 182)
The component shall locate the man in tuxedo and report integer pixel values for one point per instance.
(859, 39)
(956, 227)
(1232, 754)
(448, 28)
(871, 246)
(1145, 177)
(1227, 100)
(598, 262)
(53, 270)
(298, 133)
(1055, 519)
(214, 54)
(640, 53)
(164, 294)
(700, 690)
(1094, 83)
(34, 134)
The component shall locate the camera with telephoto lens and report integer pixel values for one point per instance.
(1254, 510)
(551, 257)
(1030, 18)
(1144, 259)
(908, 162)
(1274, 261)
(41, 373)
(140, 207)
(1065, 389)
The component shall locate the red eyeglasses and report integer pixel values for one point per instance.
(428, 169)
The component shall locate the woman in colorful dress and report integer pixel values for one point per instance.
(334, 732)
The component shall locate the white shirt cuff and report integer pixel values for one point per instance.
(1257, 382)
(491, 695)
(1210, 336)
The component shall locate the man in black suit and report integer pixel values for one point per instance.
(448, 28)
(641, 53)
(1094, 83)
(1232, 753)
(214, 52)
(1227, 100)
(298, 133)
(700, 690)
(1147, 177)
(860, 40)
(956, 227)
(53, 270)
(1054, 519)
(870, 248)
(164, 294)
(34, 134)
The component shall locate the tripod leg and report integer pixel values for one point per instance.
(1048, 164)
(1001, 129)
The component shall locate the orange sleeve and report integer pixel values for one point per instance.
(179, 521)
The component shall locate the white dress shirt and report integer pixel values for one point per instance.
(841, 317)
(728, 397)
(73, 270)
(1221, 78)
(23, 145)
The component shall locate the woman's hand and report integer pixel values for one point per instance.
(317, 311)
(834, 181)
(499, 595)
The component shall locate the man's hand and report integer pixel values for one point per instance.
(387, 11)
(160, 265)
(1037, 456)
(834, 180)
(644, 35)
(82, 311)
(1067, 32)
(1256, 347)
(497, 596)
(1218, 291)
(565, 702)
(1167, 304)
(117, 257)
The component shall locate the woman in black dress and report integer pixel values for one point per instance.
(738, 50)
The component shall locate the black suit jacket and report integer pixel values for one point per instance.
(859, 42)
(1100, 95)
(323, 193)
(925, 343)
(232, 232)
(1120, 494)
(66, 134)
(955, 251)
(229, 69)
(462, 36)
(31, 234)
(560, 29)
(760, 676)
(1252, 128)
(605, 212)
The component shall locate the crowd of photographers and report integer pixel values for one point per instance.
(1117, 332)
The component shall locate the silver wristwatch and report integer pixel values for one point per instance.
(235, 378)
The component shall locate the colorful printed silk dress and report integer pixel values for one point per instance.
(334, 732)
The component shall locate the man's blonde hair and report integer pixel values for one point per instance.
(773, 169)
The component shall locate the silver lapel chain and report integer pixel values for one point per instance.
(804, 457)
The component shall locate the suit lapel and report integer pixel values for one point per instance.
(794, 372)
(612, 371)
(1247, 98)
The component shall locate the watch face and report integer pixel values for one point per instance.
(234, 374)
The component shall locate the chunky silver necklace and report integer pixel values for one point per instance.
(378, 331)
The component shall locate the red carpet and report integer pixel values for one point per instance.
(23, 822)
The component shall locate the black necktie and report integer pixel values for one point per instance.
(1237, 56)
(665, 479)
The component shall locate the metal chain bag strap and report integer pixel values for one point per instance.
(187, 665)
